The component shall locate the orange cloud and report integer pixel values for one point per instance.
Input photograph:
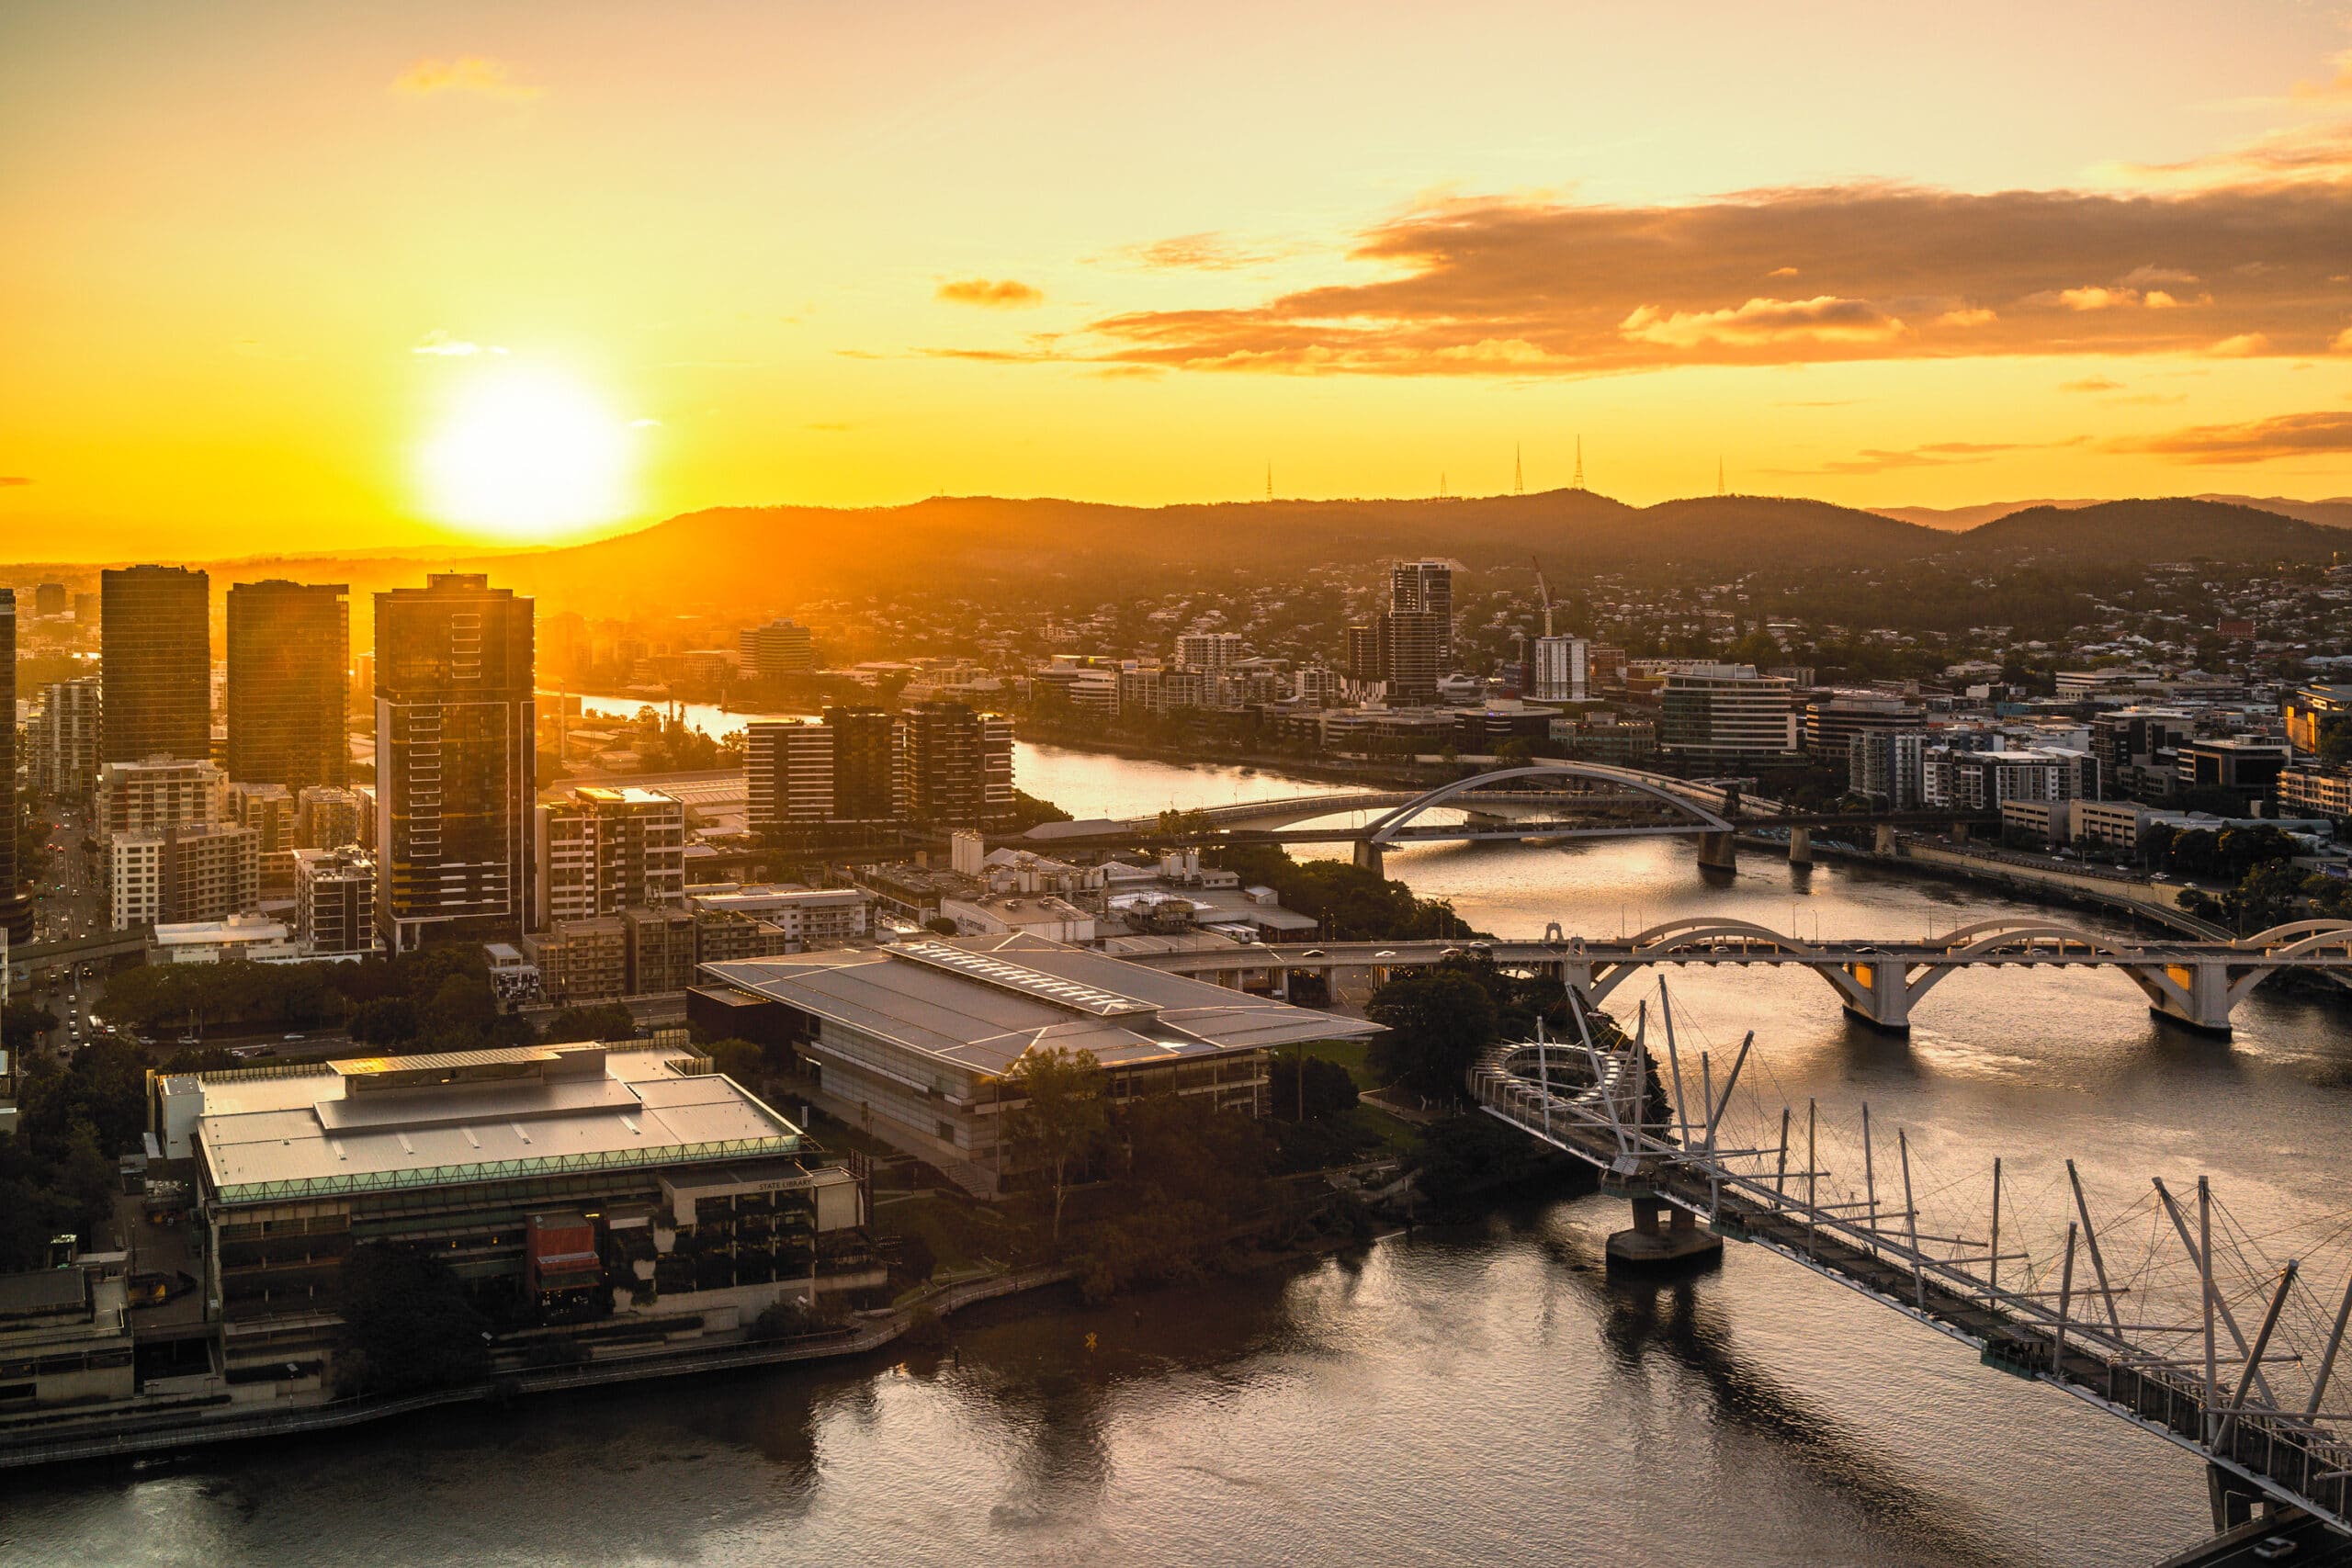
(1508, 286)
(7, 479)
(1006, 294)
(1823, 319)
(2256, 441)
(467, 74)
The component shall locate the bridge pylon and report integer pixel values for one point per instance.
(1719, 851)
(1369, 856)
(1801, 846)
(1649, 1245)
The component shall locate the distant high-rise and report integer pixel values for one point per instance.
(455, 761)
(959, 765)
(289, 648)
(15, 903)
(64, 761)
(1415, 639)
(49, 599)
(780, 648)
(156, 652)
(848, 771)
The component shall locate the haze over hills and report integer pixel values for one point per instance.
(2332, 512)
(757, 559)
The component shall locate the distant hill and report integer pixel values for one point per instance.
(762, 556)
(759, 560)
(2178, 529)
(2335, 513)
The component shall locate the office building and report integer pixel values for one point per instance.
(1559, 669)
(1983, 781)
(455, 761)
(659, 948)
(334, 900)
(159, 792)
(1888, 766)
(1426, 587)
(1832, 721)
(2310, 711)
(197, 871)
(2243, 768)
(268, 811)
(16, 902)
(959, 765)
(65, 738)
(253, 938)
(49, 599)
(801, 916)
(593, 1182)
(914, 1040)
(1724, 712)
(1210, 651)
(779, 647)
(156, 654)
(848, 768)
(2314, 791)
(329, 818)
(289, 653)
(582, 961)
(602, 849)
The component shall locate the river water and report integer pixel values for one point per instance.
(1474, 1395)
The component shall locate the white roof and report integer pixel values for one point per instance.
(451, 1117)
(980, 1002)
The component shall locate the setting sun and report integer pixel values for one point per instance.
(526, 453)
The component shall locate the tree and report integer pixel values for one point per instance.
(406, 1323)
(1439, 1020)
(1061, 1116)
(740, 1060)
(386, 1021)
(1308, 1088)
(24, 1023)
(611, 1021)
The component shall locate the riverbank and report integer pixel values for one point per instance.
(131, 1437)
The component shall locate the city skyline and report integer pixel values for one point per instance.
(591, 276)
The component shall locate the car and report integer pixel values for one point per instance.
(2276, 1548)
(1386, 953)
(247, 1052)
(1314, 953)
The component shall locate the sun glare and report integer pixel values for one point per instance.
(527, 454)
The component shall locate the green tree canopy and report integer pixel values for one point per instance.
(1439, 1020)
(1062, 1116)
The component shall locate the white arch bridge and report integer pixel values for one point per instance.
(1575, 800)
(2195, 983)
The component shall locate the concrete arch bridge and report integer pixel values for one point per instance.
(2198, 984)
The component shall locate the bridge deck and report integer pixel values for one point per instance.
(2293, 1457)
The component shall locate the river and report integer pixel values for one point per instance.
(1474, 1395)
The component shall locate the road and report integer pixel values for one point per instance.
(68, 902)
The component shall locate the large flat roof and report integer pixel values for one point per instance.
(373, 1122)
(979, 1003)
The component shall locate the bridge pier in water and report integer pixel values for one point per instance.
(2196, 995)
(1801, 846)
(1719, 851)
(1369, 857)
(1650, 1245)
(1885, 995)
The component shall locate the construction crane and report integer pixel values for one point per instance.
(1543, 593)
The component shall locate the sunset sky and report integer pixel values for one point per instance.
(337, 275)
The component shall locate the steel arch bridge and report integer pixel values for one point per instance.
(1388, 829)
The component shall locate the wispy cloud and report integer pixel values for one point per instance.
(2254, 441)
(9, 480)
(438, 342)
(997, 294)
(1206, 252)
(1930, 454)
(472, 73)
(2091, 384)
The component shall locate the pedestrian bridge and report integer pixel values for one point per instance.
(2199, 984)
(2168, 1313)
